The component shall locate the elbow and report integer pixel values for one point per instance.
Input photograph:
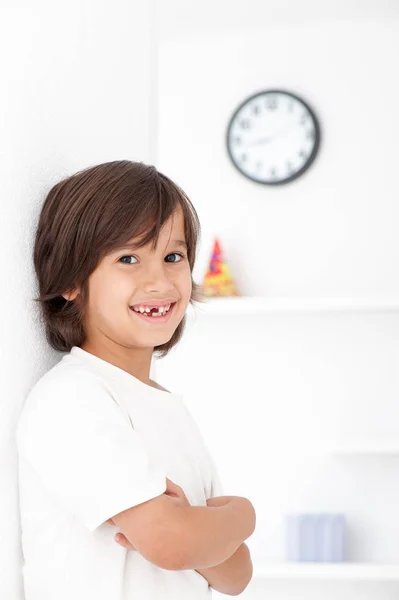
(240, 590)
(247, 580)
(244, 582)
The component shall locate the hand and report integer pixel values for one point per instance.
(121, 539)
(218, 500)
(173, 491)
(176, 492)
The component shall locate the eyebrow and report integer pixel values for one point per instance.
(132, 246)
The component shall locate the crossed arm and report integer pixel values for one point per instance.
(231, 575)
(234, 574)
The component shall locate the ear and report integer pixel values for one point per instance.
(71, 295)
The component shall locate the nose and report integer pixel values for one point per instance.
(157, 279)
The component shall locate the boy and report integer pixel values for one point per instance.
(101, 446)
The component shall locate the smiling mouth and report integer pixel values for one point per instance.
(153, 315)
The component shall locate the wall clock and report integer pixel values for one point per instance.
(273, 137)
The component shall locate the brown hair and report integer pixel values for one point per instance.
(86, 216)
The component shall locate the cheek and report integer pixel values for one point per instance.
(108, 296)
(115, 287)
(103, 308)
(185, 283)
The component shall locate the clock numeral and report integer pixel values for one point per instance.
(255, 147)
(271, 102)
(304, 118)
(310, 135)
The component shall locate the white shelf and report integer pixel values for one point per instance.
(360, 447)
(259, 304)
(336, 571)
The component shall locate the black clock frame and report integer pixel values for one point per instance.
(316, 142)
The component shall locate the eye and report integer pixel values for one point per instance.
(128, 263)
(175, 254)
(170, 261)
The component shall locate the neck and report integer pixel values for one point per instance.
(136, 361)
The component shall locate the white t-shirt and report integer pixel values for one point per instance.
(92, 441)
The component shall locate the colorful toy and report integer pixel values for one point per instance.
(218, 280)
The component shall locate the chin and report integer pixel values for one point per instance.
(160, 339)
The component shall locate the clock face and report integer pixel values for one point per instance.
(273, 137)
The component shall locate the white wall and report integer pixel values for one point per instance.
(80, 86)
(334, 230)
(263, 386)
(77, 89)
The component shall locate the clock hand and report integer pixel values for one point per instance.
(271, 138)
(261, 141)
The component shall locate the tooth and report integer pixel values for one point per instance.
(161, 310)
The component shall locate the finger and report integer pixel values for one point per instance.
(123, 541)
(120, 539)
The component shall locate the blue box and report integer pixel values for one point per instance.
(315, 537)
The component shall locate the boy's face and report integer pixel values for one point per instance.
(127, 277)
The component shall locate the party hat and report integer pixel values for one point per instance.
(218, 280)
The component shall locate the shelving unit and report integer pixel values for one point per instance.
(328, 571)
(364, 447)
(259, 304)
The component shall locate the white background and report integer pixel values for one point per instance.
(269, 390)
(88, 82)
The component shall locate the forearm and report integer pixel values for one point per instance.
(233, 575)
(212, 534)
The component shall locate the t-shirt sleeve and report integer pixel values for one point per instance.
(217, 488)
(85, 450)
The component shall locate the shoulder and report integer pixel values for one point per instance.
(64, 381)
(65, 395)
